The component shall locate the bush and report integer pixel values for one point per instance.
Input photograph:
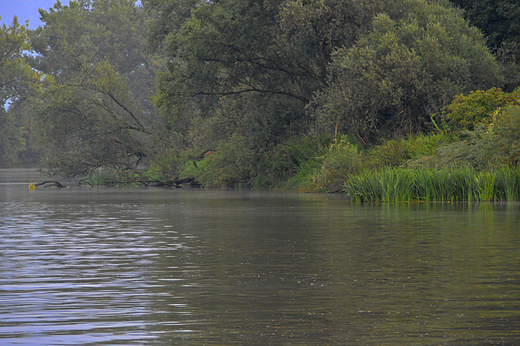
(399, 152)
(477, 108)
(504, 133)
(330, 171)
(285, 160)
(487, 147)
(231, 165)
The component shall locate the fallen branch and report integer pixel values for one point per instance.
(50, 183)
(168, 183)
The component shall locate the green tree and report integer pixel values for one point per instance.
(247, 69)
(409, 66)
(498, 20)
(16, 79)
(94, 109)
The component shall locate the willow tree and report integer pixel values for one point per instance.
(409, 66)
(16, 79)
(94, 108)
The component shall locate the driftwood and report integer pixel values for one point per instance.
(174, 182)
(50, 183)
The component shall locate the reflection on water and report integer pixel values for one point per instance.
(194, 267)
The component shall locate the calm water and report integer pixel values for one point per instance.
(153, 266)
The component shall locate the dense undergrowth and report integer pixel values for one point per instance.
(471, 154)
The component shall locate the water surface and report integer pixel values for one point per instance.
(158, 266)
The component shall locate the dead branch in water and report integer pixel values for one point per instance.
(50, 183)
(176, 182)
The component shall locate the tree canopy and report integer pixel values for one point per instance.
(363, 66)
(16, 79)
(405, 69)
(94, 108)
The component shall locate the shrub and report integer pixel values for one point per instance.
(285, 160)
(478, 107)
(330, 171)
(405, 69)
(231, 165)
(504, 133)
(399, 152)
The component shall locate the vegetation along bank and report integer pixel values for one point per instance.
(386, 101)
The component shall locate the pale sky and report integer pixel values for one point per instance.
(25, 10)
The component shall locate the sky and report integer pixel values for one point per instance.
(25, 10)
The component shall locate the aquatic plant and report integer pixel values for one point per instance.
(448, 185)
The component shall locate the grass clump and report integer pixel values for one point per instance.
(448, 185)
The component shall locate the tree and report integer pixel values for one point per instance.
(16, 78)
(408, 67)
(250, 75)
(94, 109)
(250, 67)
(498, 20)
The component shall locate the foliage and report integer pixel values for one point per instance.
(498, 20)
(16, 74)
(16, 79)
(402, 151)
(93, 109)
(166, 17)
(231, 165)
(491, 145)
(479, 106)
(249, 68)
(409, 66)
(330, 171)
(333, 169)
(504, 135)
(447, 185)
(286, 159)
(309, 95)
(12, 140)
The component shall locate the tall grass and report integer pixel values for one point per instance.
(448, 185)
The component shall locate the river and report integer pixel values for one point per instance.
(161, 266)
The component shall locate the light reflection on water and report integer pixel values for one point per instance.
(194, 267)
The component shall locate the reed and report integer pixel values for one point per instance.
(447, 185)
(508, 183)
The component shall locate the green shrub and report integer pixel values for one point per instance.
(399, 152)
(330, 171)
(504, 132)
(391, 153)
(286, 160)
(479, 106)
(231, 165)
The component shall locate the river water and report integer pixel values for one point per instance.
(159, 266)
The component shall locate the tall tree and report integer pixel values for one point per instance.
(408, 67)
(16, 78)
(94, 108)
(498, 20)
(272, 55)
